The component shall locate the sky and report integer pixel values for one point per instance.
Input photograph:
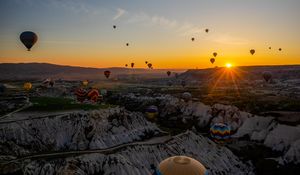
(80, 32)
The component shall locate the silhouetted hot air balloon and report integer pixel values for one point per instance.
(215, 54)
(168, 73)
(127, 44)
(220, 132)
(28, 38)
(181, 165)
(212, 60)
(267, 76)
(126, 65)
(193, 39)
(114, 26)
(132, 65)
(279, 49)
(146, 62)
(270, 47)
(149, 65)
(252, 51)
(27, 86)
(206, 30)
(107, 73)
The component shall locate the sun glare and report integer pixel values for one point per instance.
(228, 65)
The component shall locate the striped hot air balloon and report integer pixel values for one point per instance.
(220, 132)
(80, 94)
(152, 112)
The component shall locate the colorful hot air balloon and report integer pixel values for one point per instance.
(93, 95)
(252, 51)
(80, 94)
(132, 65)
(267, 76)
(85, 82)
(27, 86)
(215, 54)
(149, 65)
(152, 112)
(220, 132)
(168, 73)
(107, 73)
(212, 60)
(193, 39)
(181, 165)
(28, 38)
(186, 96)
(206, 30)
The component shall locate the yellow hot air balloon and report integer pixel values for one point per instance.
(179, 165)
(85, 82)
(27, 86)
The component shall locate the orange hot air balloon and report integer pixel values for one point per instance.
(27, 86)
(168, 73)
(252, 51)
(212, 60)
(28, 38)
(107, 73)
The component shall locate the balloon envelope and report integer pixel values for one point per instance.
(252, 51)
(220, 132)
(28, 38)
(27, 86)
(181, 165)
(168, 73)
(215, 54)
(107, 73)
(267, 76)
(212, 60)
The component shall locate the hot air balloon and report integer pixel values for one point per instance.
(183, 83)
(212, 60)
(80, 94)
(267, 76)
(146, 62)
(186, 96)
(215, 54)
(107, 73)
(132, 65)
(27, 86)
(85, 82)
(206, 30)
(28, 38)
(126, 65)
(152, 112)
(220, 132)
(168, 73)
(149, 65)
(127, 44)
(270, 47)
(93, 95)
(279, 49)
(252, 51)
(193, 39)
(181, 165)
(114, 26)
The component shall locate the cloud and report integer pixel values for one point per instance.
(120, 13)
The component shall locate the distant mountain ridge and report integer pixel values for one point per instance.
(26, 71)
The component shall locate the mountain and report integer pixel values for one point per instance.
(27, 71)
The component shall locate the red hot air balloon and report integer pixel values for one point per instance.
(107, 73)
(252, 51)
(168, 73)
(212, 60)
(28, 38)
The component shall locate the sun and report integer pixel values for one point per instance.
(228, 65)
